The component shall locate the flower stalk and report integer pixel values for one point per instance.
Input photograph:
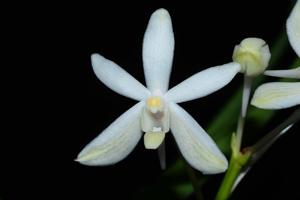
(242, 117)
(238, 160)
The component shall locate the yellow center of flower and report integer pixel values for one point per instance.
(154, 104)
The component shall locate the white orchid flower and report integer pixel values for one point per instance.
(278, 95)
(157, 111)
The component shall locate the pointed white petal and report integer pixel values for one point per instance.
(277, 95)
(293, 28)
(195, 144)
(203, 83)
(116, 141)
(117, 79)
(291, 73)
(158, 48)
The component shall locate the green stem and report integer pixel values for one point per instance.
(237, 162)
(237, 159)
(229, 179)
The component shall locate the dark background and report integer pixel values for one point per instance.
(56, 105)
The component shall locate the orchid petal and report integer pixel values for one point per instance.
(293, 28)
(116, 141)
(291, 73)
(277, 95)
(117, 79)
(158, 48)
(203, 83)
(195, 144)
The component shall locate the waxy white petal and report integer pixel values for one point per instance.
(158, 48)
(277, 95)
(117, 79)
(116, 141)
(203, 83)
(293, 28)
(291, 73)
(195, 144)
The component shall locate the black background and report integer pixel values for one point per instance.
(56, 105)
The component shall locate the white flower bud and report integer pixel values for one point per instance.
(253, 55)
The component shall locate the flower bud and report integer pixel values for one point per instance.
(253, 55)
